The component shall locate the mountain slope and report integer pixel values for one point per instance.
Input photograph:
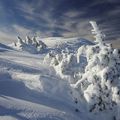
(74, 79)
(31, 90)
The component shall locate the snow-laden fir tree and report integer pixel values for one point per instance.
(29, 40)
(99, 36)
(100, 83)
(19, 43)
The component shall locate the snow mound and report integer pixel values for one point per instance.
(30, 45)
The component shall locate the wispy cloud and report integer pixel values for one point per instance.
(6, 37)
(9, 35)
(73, 13)
(61, 17)
(22, 31)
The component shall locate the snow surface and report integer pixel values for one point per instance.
(31, 90)
(71, 79)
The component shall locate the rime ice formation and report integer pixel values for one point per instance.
(30, 45)
(99, 36)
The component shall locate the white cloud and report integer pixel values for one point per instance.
(30, 13)
(72, 13)
(43, 34)
(81, 29)
(68, 25)
(26, 8)
(6, 37)
(22, 31)
(114, 12)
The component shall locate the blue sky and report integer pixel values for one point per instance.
(66, 18)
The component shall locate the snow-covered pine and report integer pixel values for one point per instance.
(19, 42)
(35, 42)
(30, 45)
(41, 45)
(99, 36)
(93, 73)
(29, 40)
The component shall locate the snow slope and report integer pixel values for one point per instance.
(60, 79)
(30, 90)
(4, 47)
(37, 45)
(93, 72)
(74, 79)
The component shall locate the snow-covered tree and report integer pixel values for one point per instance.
(29, 40)
(30, 45)
(20, 42)
(35, 42)
(93, 74)
(41, 46)
(99, 36)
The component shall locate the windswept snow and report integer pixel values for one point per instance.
(60, 79)
(4, 47)
(30, 90)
